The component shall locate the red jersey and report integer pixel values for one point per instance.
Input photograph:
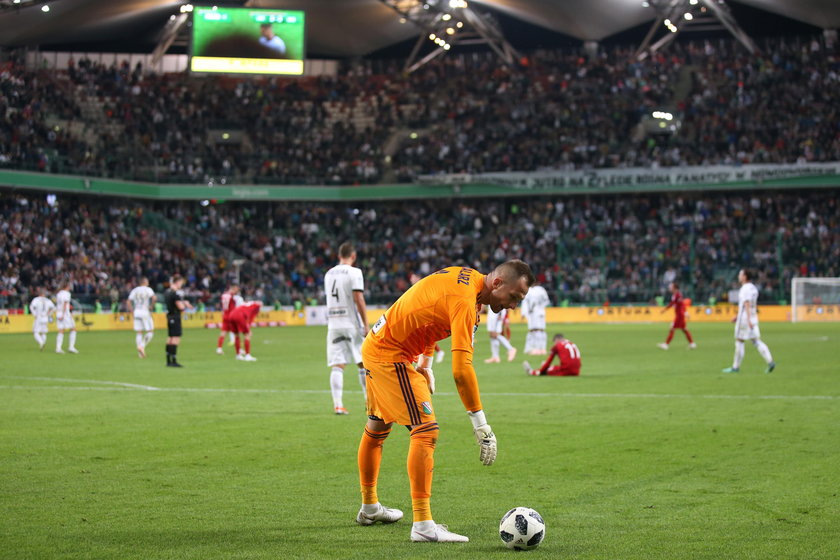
(569, 355)
(245, 313)
(678, 303)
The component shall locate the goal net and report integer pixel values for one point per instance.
(815, 299)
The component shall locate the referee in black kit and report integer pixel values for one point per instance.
(175, 303)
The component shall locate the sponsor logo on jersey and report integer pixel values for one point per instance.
(427, 407)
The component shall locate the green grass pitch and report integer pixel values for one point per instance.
(648, 455)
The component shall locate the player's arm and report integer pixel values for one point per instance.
(467, 385)
(548, 360)
(130, 304)
(359, 300)
(424, 366)
(746, 312)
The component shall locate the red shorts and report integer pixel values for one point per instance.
(679, 322)
(561, 371)
(240, 327)
(226, 325)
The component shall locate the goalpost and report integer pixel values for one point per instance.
(815, 299)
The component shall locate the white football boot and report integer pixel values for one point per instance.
(382, 514)
(429, 531)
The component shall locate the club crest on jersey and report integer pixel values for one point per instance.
(427, 407)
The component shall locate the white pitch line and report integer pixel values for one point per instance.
(93, 381)
(118, 386)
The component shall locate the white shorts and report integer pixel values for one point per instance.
(68, 323)
(536, 321)
(344, 346)
(143, 323)
(495, 323)
(41, 326)
(743, 332)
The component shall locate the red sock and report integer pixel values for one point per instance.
(221, 341)
(670, 336)
(247, 346)
(688, 336)
(236, 344)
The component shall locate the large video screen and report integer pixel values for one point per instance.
(247, 41)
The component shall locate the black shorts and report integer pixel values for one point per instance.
(173, 325)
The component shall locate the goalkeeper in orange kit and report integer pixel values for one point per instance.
(442, 304)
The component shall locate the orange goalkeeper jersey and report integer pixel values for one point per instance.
(439, 305)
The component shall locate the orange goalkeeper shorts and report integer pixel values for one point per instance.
(396, 392)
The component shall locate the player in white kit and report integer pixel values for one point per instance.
(533, 309)
(41, 308)
(495, 326)
(346, 322)
(746, 324)
(140, 300)
(64, 319)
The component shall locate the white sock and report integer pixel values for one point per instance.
(232, 338)
(138, 339)
(504, 342)
(337, 386)
(59, 341)
(147, 338)
(763, 350)
(41, 338)
(541, 346)
(494, 347)
(424, 526)
(363, 382)
(72, 339)
(739, 354)
(530, 338)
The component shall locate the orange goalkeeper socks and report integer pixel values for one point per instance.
(370, 456)
(421, 463)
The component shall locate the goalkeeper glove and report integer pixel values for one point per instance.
(485, 437)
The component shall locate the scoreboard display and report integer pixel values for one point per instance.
(247, 41)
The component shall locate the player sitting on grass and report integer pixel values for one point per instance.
(568, 353)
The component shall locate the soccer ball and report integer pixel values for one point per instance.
(522, 529)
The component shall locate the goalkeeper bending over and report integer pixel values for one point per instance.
(446, 302)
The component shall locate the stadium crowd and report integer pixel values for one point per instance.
(584, 249)
(557, 110)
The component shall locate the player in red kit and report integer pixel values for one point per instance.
(569, 355)
(678, 303)
(240, 323)
(230, 299)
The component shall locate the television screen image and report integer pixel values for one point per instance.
(247, 41)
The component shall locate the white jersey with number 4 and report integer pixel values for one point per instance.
(747, 293)
(339, 283)
(63, 315)
(41, 308)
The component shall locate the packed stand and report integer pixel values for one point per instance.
(556, 110)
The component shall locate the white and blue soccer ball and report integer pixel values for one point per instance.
(522, 529)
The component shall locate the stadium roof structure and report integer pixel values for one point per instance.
(339, 28)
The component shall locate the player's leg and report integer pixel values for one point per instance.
(221, 341)
(511, 351)
(71, 347)
(739, 356)
(494, 348)
(688, 337)
(382, 390)
(59, 341)
(338, 355)
(764, 350)
(149, 327)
